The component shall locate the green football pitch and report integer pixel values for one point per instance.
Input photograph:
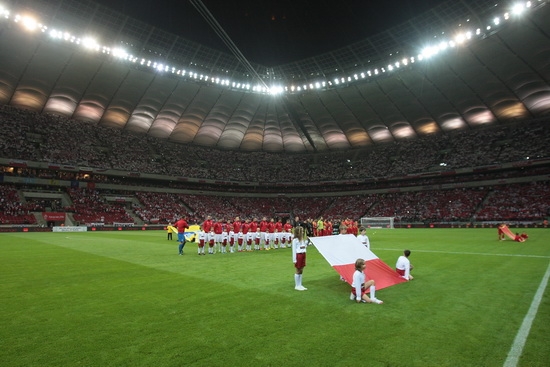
(127, 299)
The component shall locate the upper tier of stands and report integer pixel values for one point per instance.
(44, 138)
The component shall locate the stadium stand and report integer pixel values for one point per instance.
(448, 153)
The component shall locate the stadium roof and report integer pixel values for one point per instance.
(502, 75)
(275, 32)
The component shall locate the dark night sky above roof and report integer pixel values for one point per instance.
(274, 32)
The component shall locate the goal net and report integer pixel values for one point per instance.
(377, 222)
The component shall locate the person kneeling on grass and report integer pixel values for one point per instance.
(403, 266)
(359, 286)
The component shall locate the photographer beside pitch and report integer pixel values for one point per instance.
(404, 266)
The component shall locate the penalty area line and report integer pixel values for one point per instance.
(523, 332)
(468, 253)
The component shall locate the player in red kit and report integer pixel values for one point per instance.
(181, 225)
(287, 227)
(207, 224)
(218, 229)
(263, 230)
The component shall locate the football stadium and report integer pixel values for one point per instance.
(311, 179)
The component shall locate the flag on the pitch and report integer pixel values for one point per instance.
(341, 252)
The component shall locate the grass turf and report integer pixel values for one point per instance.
(128, 299)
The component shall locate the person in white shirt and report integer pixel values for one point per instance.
(362, 236)
(201, 235)
(404, 266)
(360, 285)
(299, 245)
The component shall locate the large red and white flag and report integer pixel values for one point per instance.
(341, 252)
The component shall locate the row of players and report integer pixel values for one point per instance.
(219, 234)
(245, 236)
(244, 241)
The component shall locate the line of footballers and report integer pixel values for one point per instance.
(239, 236)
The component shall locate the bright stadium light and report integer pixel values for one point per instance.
(518, 9)
(4, 12)
(87, 42)
(29, 23)
(429, 51)
(120, 53)
(275, 90)
(460, 38)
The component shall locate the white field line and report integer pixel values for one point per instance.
(465, 253)
(523, 332)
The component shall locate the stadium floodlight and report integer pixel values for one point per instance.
(496, 21)
(429, 51)
(88, 42)
(275, 90)
(518, 9)
(29, 23)
(120, 53)
(4, 12)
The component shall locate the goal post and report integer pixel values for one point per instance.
(377, 222)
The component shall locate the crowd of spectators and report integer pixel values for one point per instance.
(517, 203)
(90, 206)
(508, 203)
(57, 140)
(12, 210)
